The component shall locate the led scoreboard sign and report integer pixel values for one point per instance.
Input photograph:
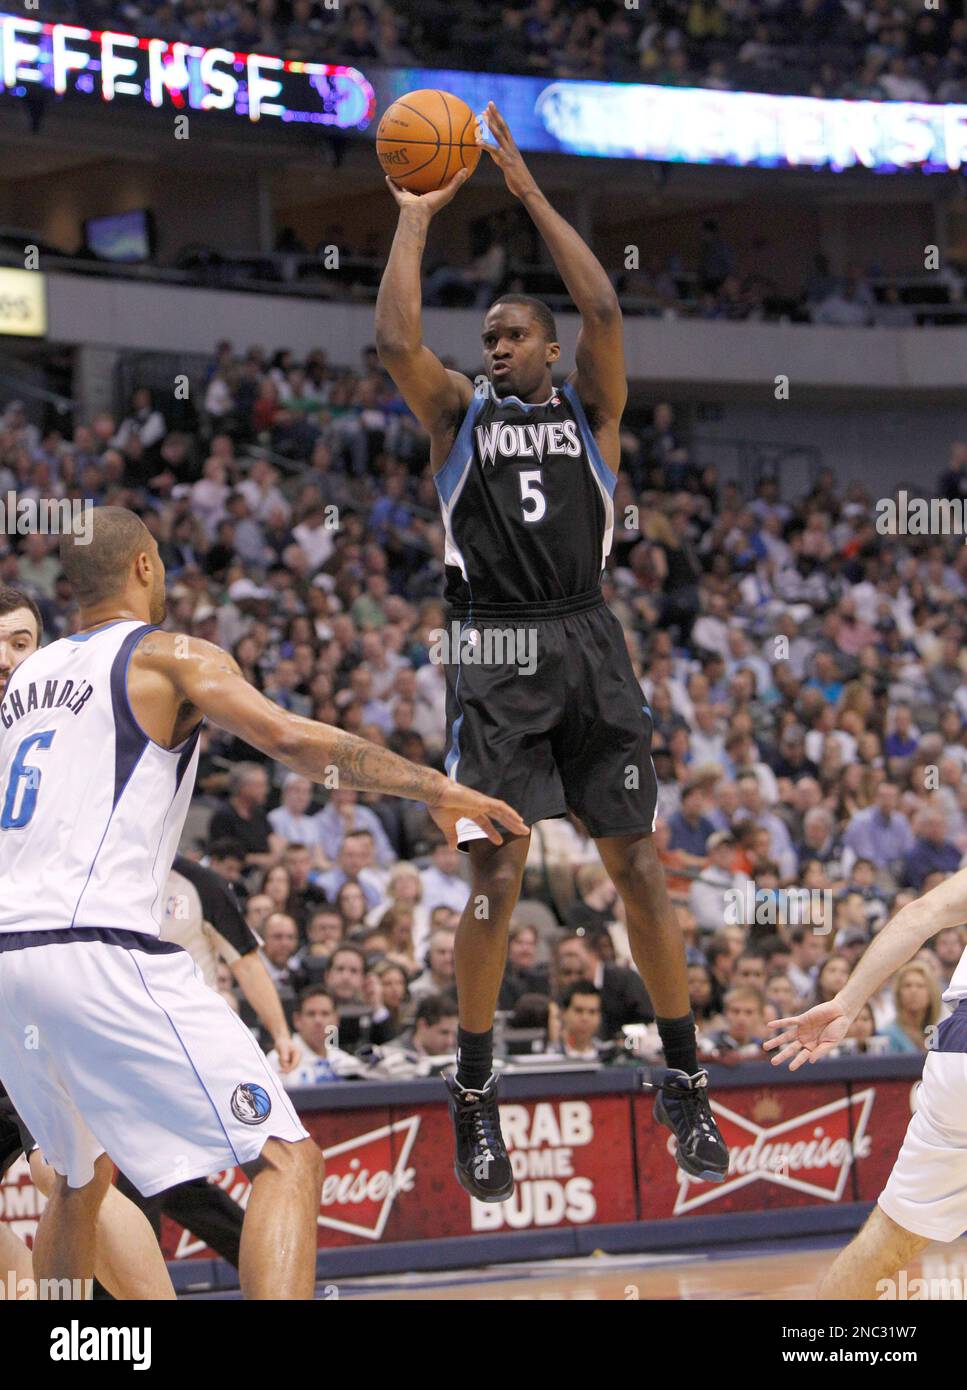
(67, 59)
(610, 120)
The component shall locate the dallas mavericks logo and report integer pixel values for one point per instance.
(250, 1103)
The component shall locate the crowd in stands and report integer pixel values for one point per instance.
(804, 672)
(897, 50)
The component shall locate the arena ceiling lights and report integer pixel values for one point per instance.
(609, 120)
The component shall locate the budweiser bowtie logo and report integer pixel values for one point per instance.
(364, 1176)
(810, 1153)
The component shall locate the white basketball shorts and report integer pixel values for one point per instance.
(927, 1191)
(110, 1041)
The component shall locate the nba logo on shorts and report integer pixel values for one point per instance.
(250, 1103)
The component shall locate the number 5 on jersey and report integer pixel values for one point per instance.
(26, 776)
(531, 483)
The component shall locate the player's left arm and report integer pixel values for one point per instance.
(600, 375)
(809, 1036)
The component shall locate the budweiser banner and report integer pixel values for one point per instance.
(588, 1160)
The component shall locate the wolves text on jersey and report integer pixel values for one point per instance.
(527, 441)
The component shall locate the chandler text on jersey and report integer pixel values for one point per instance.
(15, 706)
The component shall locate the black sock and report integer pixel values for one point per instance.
(678, 1040)
(475, 1058)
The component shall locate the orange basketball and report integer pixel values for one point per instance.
(425, 138)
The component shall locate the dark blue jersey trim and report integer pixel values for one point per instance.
(110, 936)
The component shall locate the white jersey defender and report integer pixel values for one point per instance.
(109, 1038)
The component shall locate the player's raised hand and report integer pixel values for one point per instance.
(809, 1036)
(458, 802)
(428, 202)
(505, 153)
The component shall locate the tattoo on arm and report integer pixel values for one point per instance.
(367, 767)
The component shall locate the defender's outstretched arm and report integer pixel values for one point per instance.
(809, 1036)
(205, 678)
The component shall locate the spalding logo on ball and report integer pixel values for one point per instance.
(425, 138)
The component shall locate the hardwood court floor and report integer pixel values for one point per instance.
(772, 1272)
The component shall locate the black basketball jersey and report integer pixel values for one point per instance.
(527, 505)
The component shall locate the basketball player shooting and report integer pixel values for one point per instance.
(526, 472)
(925, 1197)
(110, 1042)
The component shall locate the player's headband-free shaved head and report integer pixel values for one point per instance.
(538, 308)
(99, 570)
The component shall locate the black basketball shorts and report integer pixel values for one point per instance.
(545, 712)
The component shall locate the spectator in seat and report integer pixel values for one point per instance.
(227, 857)
(438, 974)
(745, 1025)
(443, 884)
(948, 947)
(434, 1030)
(596, 895)
(316, 1029)
(624, 998)
(354, 864)
(806, 950)
(690, 828)
(343, 816)
(280, 941)
(932, 852)
(523, 975)
(243, 819)
(580, 1022)
(916, 1000)
(707, 894)
(359, 1018)
(292, 823)
(881, 832)
(781, 995)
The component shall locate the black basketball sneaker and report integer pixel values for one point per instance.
(682, 1105)
(482, 1165)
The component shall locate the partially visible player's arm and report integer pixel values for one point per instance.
(257, 985)
(815, 1033)
(436, 395)
(944, 906)
(204, 678)
(600, 376)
